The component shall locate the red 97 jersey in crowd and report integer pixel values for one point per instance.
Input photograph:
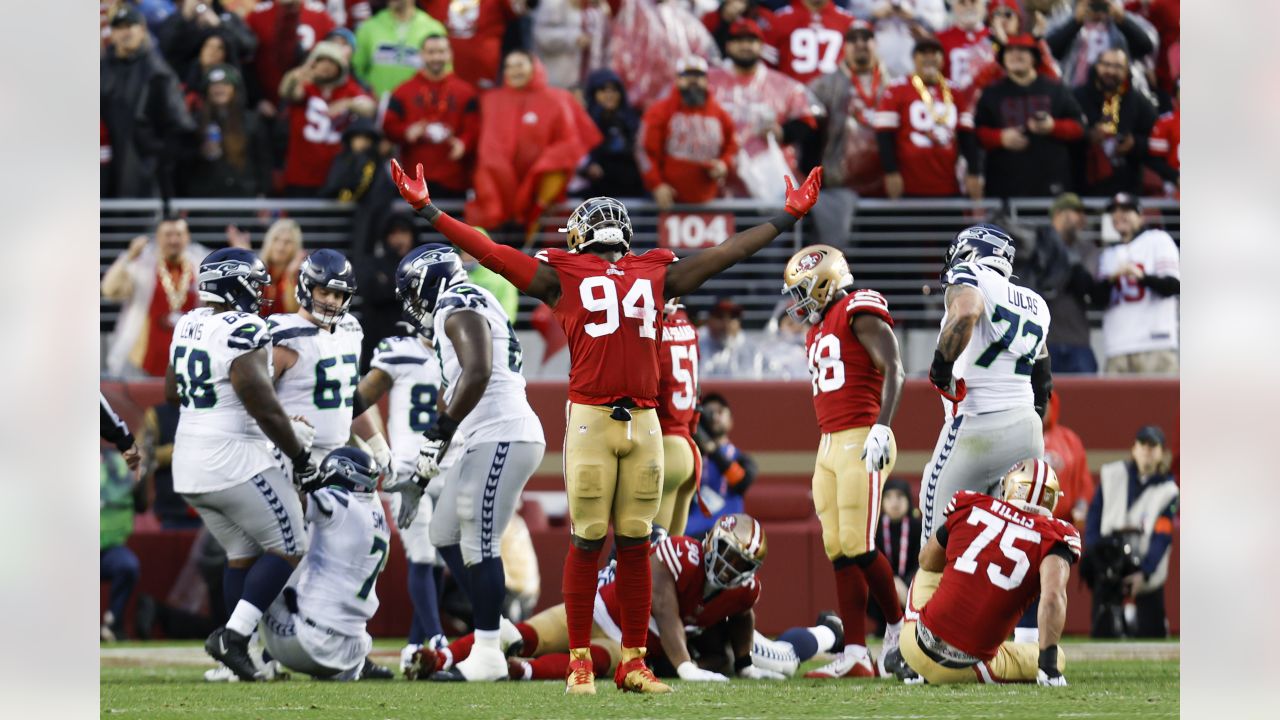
(678, 375)
(315, 139)
(994, 551)
(807, 43)
(846, 384)
(925, 136)
(611, 314)
(682, 557)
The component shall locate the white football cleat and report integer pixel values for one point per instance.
(406, 656)
(892, 633)
(482, 665)
(509, 639)
(221, 673)
(847, 664)
(273, 671)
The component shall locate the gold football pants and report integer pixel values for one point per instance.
(612, 471)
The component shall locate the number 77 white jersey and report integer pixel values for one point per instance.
(1009, 337)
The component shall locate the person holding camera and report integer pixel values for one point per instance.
(1128, 535)
(727, 472)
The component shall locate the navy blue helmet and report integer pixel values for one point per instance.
(351, 468)
(327, 269)
(984, 244)
(422, 275)
(233, 277)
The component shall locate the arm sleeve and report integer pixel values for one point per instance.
(1041, 384)
(1162, 285)
(508, 262)
(888, 152)
(113, 429)
(970, 151)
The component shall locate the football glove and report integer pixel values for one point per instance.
(751, 672)
(306, 476)
(303, 430)
(800, 200)
(692, 673)
(412, 189)
(437, 435)
(381, 454)
(878, 447)
(410, 496)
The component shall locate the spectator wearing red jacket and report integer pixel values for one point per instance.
(1065, 453)
(1026, 123)
(717, 21)
(687, 140)
(323, 98)
(532, 137)
(806, 37)
(965, 45)
(923, 128)
(286, 31)
(434, 116)
(475, 29)
(1164, 146)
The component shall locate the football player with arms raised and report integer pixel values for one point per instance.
(609, 303)
(857, 376)
(316, 354)
(224, 462)
(995, 555)
(992, 369)
(678, 416)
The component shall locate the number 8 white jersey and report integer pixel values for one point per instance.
(415, 376)
(321, 385)
(1009, 337)
(217, 444)
(503, 413)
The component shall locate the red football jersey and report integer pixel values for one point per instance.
(926, 136)
(678, 375)
(994, 551)
(312, 24)
(963, 53)
(612, 316)
(1166, 139)
(846, 384)
(682, 556)
(315, 139)
(475, 34)
(807, 43)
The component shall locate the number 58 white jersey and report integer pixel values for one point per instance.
(1009, 337)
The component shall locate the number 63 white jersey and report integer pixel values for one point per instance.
(321, 385)
(1009, 337)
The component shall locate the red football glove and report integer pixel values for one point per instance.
(413, 190)
(802, 199)
(955, 393)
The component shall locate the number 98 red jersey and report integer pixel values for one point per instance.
(678, 375)
(846, 384)
(994, 551)
(611, 313)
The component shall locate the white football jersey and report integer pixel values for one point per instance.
(217, 444)
(503, 414)
(321, 385)
(415, 376)
(1138, 319)
(1010, 336)
(349, 539)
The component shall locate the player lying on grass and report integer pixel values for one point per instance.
(317, 624)
(995, 556)
(696, 584)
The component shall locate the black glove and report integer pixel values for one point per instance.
(442, 429)
(306, 476)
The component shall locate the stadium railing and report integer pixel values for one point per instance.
(895, 246)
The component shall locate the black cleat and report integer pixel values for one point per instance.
(450, 675)
(832, 621)
(372, 671)
(896, 664)
(232, 649)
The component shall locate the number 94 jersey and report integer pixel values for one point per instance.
(996, 365)
(994, 551)
(321, 385)
(846, 384)
(611, 313)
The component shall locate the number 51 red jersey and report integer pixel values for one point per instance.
(846, 384)
(994, 551)
(678, 375)
(611, 313)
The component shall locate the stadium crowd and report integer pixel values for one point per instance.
(513, 104)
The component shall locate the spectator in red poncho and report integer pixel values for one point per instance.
(475, 29)
(323, 99)
(687, 140)
(1065, 454)
(531, 139)
(433, 116)
(286, 31)
(647, 38)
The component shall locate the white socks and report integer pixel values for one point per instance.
(826, 639)
(244, 619)
(488, 640)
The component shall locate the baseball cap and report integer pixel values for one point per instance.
(1022, 40)
(691, 64)
(1150, 435)
(222, 73)
(1123, 200)
(1066, 201)
(926, 44)
(1004, 5)
(127, 15)
(859, 27)
(745, 27)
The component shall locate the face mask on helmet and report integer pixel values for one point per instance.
(351, 468)
(421, 278)
(234, 278)
(332, 271)
(599, 221)
(725, 563)
(1032, 485)
(804, 308)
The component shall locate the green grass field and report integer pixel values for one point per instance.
(168, 684)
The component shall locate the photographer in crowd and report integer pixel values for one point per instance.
(1128, 536)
